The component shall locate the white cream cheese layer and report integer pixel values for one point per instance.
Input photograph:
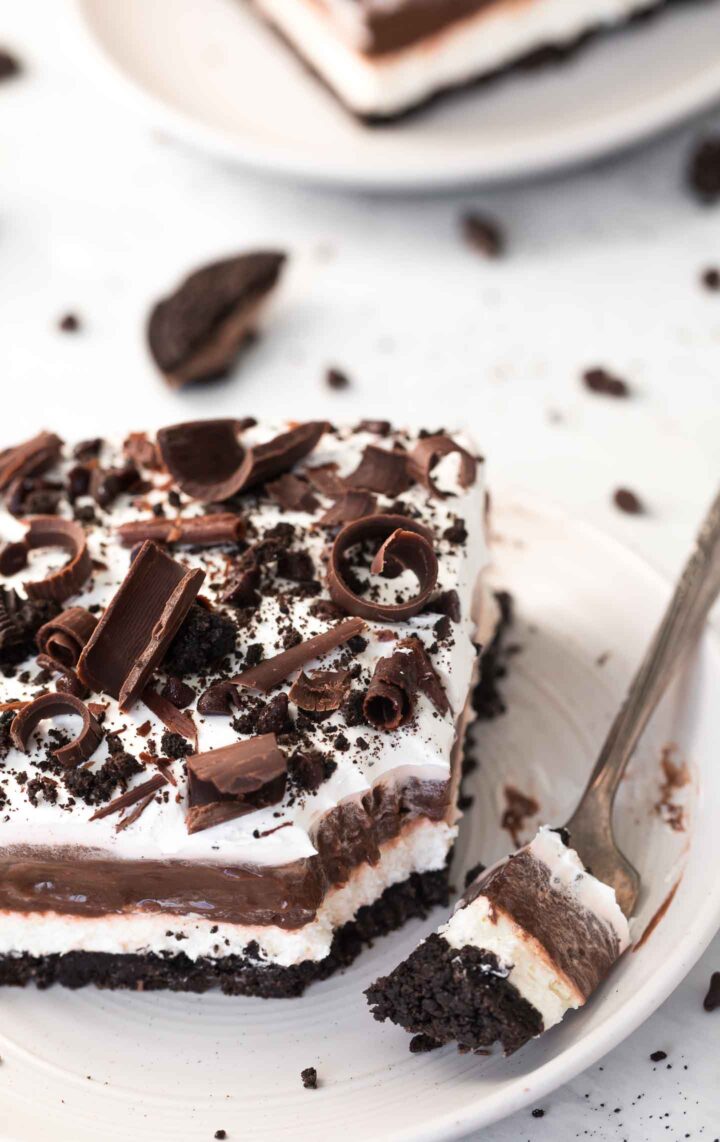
(331, 39)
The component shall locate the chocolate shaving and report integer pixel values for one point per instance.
(33, 456)
(390, 698)
(196, 333)
(208, 462)
(63, 638)
(425, 456)
(321, 690)
(139, 624)
(48, 531)
(273, 670)
(173, 719)
(125, 800)
(348, 507)
(68, 682)
(242, 590)
(293, 493)
(53, 706)
(325, 479)
(381, 471)
(199, 531)
(137, 812)
(233, 781)
(405, 545)
(139, 449)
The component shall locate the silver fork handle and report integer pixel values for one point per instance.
(682, 624)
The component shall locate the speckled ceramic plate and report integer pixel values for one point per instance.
(211, 74)
(79, 1066)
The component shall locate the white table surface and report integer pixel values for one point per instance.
(99, 214)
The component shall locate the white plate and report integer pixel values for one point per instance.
(89, 1064)
(215, 77)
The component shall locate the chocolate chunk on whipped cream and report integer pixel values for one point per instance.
(234, 780)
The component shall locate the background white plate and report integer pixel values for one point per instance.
(217, 78)
(78, 1066)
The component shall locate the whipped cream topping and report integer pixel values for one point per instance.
(332, 36)
(421, 747)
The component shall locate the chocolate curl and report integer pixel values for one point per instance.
(63, 638)
(428, 451)
(320, 691)
(390, 698)
(273, 670)
(348, 507)
(234, 780)
(139, 624)
(173, 719)
(381, 471)
(49, 531)
(53, 706)
(325, 479)
(405, 545)
(35, 455)
(200, 531)
(207, 461)
(125, 800)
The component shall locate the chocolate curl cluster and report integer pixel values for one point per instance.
(53, 706)
(426, 454)
(30, 458)
(404, 545)
(391, 695)
(49, 531)
(208, 462)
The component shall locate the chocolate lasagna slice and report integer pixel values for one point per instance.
(236, 661)
(530, 940)
(383, 58)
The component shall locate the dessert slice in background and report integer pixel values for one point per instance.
(531, 939)
(383, 59)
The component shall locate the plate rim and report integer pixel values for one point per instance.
(548, 153)
(594, 1045)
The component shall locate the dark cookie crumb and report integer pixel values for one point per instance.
(628, 502)
(711, 279)
(538, 1112)
(220, 1134)
(473, 873)
(599, 380)
(175, 746)
(203, 639)
(10, 65)
(43, 787)
(69, 323)
(712, 999)
(704, 170)
(309, 1078)
(420, 1044)
(658, 1056)
(483, 234)
(336, 379)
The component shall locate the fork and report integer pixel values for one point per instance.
(590, 826)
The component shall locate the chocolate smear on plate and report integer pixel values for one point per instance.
(392, 693)
(196, 333)
(519, 807)
(33, 456)
(125, 800)
(198, 531)
(64, 637)
(234, 780)
(426, 454)
(272, 671)
(53, 706)
(49, 531)
(139, 624)
(381, 471)
(348, 507)
(320, 691)
(404, 545)
(209, 463)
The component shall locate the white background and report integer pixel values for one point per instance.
(100, 214)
